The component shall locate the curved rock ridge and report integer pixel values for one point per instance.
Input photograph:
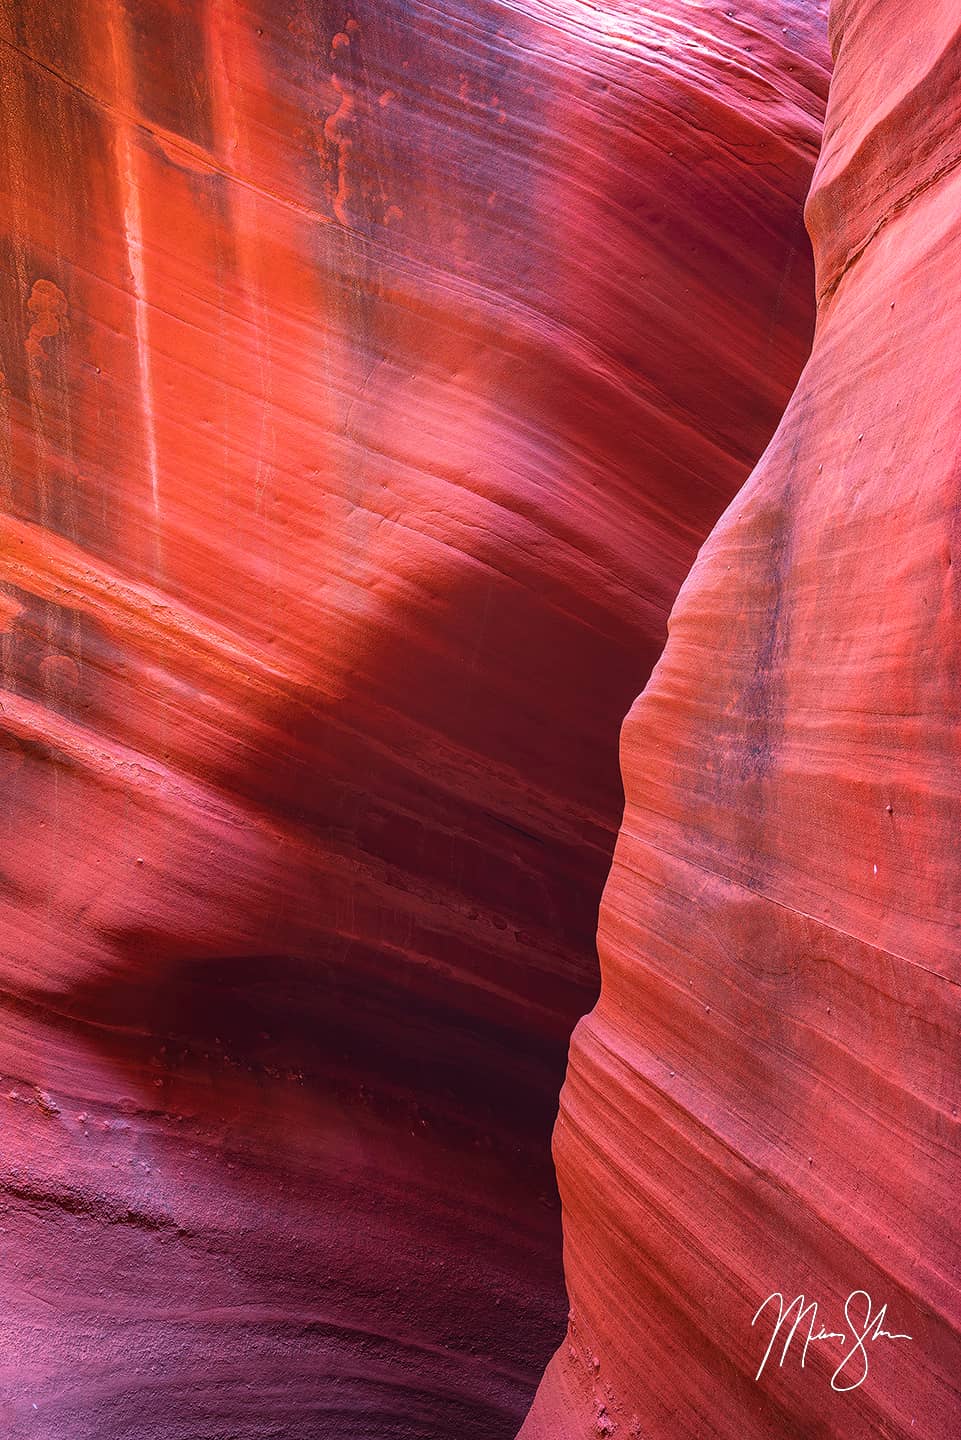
(765, 1098)
(371, 374)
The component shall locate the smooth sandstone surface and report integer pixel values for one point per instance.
(766, 1095)
(371, 375)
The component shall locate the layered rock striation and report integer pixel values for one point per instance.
(371, 374)
(765, 1098)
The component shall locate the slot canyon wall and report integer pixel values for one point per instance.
(765, 1097)
(370, 377)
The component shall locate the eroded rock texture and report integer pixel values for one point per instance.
(371, 375)
(766, 1096)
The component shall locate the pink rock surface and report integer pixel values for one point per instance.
(766, 1095)
(371, 376)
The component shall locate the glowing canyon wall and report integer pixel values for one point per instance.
(370, 377)
(766, 1096)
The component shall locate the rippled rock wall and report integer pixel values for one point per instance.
(371, 375)
(765, 1097)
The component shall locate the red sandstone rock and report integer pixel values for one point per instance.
(370, 379)
(766, 1095)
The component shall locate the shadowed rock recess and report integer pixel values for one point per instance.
(765, 1097)
(371, 374)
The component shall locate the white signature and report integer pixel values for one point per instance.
(853, 1369)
